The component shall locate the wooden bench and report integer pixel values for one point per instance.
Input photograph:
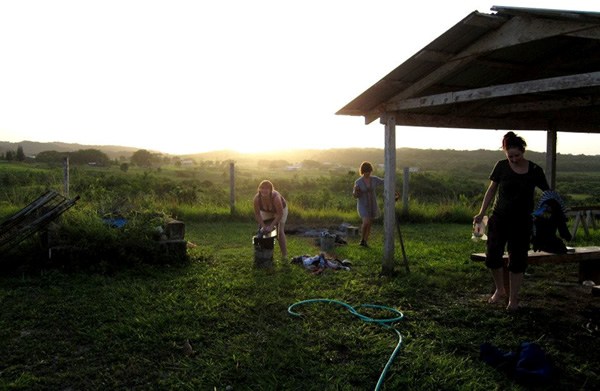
(587, 257)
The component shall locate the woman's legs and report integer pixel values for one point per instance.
(516, 236)
(365, 230)
(282, 240)
(281, 234)
(282, 243)
(518, 248)
(500, 292)
(516, 279)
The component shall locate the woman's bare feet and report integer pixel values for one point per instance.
(497, 297)
(512, 306)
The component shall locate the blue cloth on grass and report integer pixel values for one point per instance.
(528, 365)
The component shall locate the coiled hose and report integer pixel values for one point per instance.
(386, 322)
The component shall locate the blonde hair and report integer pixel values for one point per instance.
(266, 183)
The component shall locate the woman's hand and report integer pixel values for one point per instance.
(268, 228)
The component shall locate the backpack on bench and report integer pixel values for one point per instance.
(548, 218)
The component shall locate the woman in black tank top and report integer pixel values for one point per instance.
(511, 189)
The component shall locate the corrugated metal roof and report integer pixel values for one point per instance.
(516, 68)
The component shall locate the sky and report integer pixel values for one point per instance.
(182, 77)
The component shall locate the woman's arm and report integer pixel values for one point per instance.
(356, 190)
(257, 215)
(487, 199)
(278, 204)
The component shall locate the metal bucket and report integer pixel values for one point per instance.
(263, 258)
(263, 251)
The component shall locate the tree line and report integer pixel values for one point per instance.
(90, 156)
(17, 155)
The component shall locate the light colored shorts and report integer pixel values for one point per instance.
(270, 215)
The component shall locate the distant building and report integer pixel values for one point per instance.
(294, 167)
(188, 162)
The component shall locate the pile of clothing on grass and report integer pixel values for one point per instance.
(318, 263)
(528, 364)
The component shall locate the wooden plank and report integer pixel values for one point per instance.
(508, 34)
(584, 80)
(580, 254)
(39, 214)
(585, 208)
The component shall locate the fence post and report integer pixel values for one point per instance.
(232, 188)
(66, 176)
(405, 179)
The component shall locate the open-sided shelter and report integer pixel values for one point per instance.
(514, 69)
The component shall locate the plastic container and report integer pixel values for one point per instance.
(479, 230)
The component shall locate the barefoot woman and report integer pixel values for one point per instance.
(366, 199)
(512, 187)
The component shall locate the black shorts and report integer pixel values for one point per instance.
(514, 234)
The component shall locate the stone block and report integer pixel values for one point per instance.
(175, 230)
(174, 248)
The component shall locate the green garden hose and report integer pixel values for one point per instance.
(386, 322)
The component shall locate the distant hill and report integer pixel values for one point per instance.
(32, 148)
(480, 161)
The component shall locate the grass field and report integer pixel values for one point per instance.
(126, 331)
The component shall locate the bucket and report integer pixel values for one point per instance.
(263, 251)
(263, 258)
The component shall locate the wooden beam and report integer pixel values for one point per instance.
(507, 35)
(522, 29)
(589, 33)
(429, 80)
(444, 120)
(545, 105)
(433, 56)
(584, 80)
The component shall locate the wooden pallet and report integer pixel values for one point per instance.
(32, 218)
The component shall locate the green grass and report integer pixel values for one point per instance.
(125, 331)
(124, 327)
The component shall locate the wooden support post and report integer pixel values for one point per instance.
(389, 210)
(551, 158)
